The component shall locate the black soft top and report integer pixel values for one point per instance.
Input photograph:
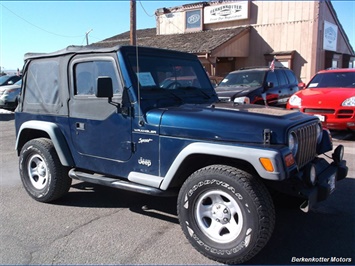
(75, 49)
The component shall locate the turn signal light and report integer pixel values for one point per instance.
(289, 160)
(267, 164)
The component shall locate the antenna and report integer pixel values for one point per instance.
(141, 122)
(133, 38)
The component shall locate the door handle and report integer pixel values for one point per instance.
(80, 126)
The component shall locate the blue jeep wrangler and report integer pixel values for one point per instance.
(148, 120)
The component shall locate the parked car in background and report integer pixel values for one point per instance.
(259, 85)
(9, 79)
(9, 95)
(330, 95)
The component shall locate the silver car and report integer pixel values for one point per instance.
(9, 95)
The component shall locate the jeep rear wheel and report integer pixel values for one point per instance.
(226, 214)
(42, 174)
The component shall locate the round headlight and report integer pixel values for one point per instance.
(310, 174)
(319, 133)
(293, 143)
(241, 100)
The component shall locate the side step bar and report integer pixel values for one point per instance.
(120, 184)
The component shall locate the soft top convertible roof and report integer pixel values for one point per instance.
(75, 49)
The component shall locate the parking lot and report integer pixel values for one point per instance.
(100, 225)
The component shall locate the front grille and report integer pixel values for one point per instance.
(345, 114)
(307, 141)
(319, 111)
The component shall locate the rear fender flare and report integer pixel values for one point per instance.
(55, 135)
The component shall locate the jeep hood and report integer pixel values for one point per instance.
(224, 122)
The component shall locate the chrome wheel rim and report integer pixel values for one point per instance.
(219, 216)
(37, 171)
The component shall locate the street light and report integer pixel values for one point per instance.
(87, 36)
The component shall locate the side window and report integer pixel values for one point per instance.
(84, 78)
(281, 77)
(87, 73)
(42, 86)
(291, 77)
(271, 77)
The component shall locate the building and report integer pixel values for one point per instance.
(305, 36)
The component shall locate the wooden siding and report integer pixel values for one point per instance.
(276, 27)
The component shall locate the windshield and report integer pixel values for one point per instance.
(244, 78)
(3, 79)
(333, 80)
(183, 79)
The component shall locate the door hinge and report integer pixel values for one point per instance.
(133, 146)
(267, 136)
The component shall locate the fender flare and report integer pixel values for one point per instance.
(249, 154)
(55, 135)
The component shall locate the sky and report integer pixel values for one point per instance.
(48, 26)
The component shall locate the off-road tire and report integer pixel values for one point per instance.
(43, 176)
(226, 213)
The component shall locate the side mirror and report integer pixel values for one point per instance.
(269, 85)
(301, 85)
(104, 87)
(10, 82)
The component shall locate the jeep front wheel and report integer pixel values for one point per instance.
(42, 174)
(226, 213)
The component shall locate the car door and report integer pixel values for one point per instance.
(272, 88)
(283, 89)
(100, 131)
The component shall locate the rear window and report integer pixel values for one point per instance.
(42, 86)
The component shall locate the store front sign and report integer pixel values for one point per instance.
(330, 37)
(193, 20)
(226, 12)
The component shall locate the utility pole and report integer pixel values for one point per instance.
(133, 23)
(87, 36)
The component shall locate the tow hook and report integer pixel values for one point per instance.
(305, 206)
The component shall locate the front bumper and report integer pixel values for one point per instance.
(4, 103)
(326, 184)
(327, 174)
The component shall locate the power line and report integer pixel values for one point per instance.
(140, 2)
(53, 33)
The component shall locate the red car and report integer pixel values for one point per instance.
(330, 95)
